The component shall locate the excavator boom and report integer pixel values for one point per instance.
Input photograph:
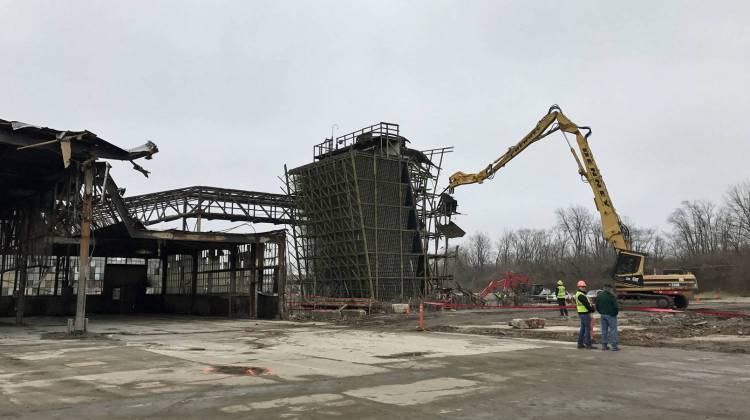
(614, 231)
(630, 265)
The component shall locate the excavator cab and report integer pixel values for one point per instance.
(629, 267)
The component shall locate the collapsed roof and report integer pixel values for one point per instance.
(31, 157)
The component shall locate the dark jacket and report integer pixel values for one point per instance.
(585, 302)
(606, 304)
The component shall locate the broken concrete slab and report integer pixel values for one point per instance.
(353, 313)
(400, 308)
(527, 324)
(337, 314)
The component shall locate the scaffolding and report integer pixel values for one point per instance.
(366, 220)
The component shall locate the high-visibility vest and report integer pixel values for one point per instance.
(561, 292)
(579, 306)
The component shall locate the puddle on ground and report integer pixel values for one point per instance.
(238, 370)
(405, 355)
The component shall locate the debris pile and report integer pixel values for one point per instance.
(527, 324)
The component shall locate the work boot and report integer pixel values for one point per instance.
(605, 347)
(615, 349)
(581, 347)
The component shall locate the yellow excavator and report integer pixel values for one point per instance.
(673, 288)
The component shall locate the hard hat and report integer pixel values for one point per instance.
(581, 283)
(559, 282)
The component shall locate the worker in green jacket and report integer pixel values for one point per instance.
(561, 295)
(606, 305)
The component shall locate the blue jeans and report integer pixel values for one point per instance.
(584, 334)
(609, 322)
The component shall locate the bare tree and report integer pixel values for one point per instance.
(713, 240)
(576, 223)
(659, 250)
(479, 250)
(642, 239)
(504, 247)
(695, 227)
(737, 202)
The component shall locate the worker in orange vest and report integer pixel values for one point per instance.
(584, 308)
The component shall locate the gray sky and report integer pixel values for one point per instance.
(230, 91)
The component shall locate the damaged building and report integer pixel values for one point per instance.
(67, 231)
(370, 220)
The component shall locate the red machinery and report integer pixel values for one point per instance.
(511, 284)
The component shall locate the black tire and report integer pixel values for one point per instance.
(681, 302)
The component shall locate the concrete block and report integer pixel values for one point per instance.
(527, 324)
(400, 308)
(353, 313)
(325, 314)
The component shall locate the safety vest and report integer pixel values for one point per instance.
(561, 292)
(579, 306)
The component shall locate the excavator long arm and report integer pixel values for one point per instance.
(614, 231)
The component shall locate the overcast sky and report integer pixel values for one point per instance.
(230, 91)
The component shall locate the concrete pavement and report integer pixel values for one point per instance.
(212, 368)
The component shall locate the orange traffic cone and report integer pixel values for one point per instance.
(420, 326)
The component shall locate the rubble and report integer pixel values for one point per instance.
(400, 308)
(527, 324)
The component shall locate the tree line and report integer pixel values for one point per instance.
(710, 239)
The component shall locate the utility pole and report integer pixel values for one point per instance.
(84, 266)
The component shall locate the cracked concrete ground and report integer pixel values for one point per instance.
(172, 367)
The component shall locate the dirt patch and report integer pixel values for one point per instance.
(682, 330)
(405, 355)
(77, 336)
(238, 370)
(637, 328)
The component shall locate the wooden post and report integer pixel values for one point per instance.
(84, 266)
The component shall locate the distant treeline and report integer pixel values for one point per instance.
(712, 240)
